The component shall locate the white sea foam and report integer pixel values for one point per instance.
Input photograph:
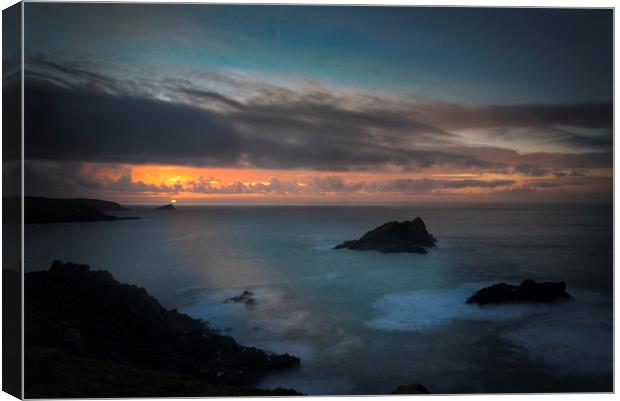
(572, 341)
(425, 310)
(274, 317)
(572, 338)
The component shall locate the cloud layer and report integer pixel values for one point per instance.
(81, 115)
(77, 115)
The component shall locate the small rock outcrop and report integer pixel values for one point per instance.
(414, 388)
(246, 297)
(527, 291)
(407, 236)
(169, 206)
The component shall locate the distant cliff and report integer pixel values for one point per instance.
(52, 210)
(87, 335)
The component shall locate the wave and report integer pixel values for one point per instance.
(570, 338)
(426, 310)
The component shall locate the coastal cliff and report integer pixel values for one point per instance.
(84, 327)
(39, 210)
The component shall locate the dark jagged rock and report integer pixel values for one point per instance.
(169, 206)
(51, 210)
(527, 291)
(88, 315)
(408, 236)
(414, 388)
(245, 297)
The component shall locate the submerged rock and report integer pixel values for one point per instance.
(169, 206)
(527, 291)
(414, 388)
(407, 236)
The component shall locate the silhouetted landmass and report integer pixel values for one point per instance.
(39, 210)
(408, 236)
(414, 388)
(88, 335)
(169, 206)
(527, 291)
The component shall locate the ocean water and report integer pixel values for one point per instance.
(365, 322)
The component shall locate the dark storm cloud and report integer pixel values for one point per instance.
(76, 114)
(210, 96)
(76, 70)
(600, 140)
(532, 171)
(583, 126)
(80, 124)
(86, 123)
(455, 116)
(426, 185)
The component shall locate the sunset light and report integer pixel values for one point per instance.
(265, 200)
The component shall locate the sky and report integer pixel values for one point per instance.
(308, 104)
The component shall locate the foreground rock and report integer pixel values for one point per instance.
(169, 206)
(414, 388)
(52, 210)
(527, 291)
(51, 373)
(408, 236)
(77, 316)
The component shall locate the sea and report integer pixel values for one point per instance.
(363, 322)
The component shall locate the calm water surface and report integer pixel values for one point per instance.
(364, 322)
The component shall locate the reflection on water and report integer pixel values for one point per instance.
(365, 322)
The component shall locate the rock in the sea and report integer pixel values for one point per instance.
(527, 291)
(245, 297)
(169, 206)
(414, 388)
(250, 302)
(407, 236)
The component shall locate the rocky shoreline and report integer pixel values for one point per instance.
(39, 210)
(76, 315)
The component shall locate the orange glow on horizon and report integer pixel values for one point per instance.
(251, 184)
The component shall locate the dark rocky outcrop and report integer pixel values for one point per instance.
(52, 373)
(527, 291)
(414, 388)
(407, 236)
(246, 297)
(39, 210)
(87, 317)
(169, 207)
